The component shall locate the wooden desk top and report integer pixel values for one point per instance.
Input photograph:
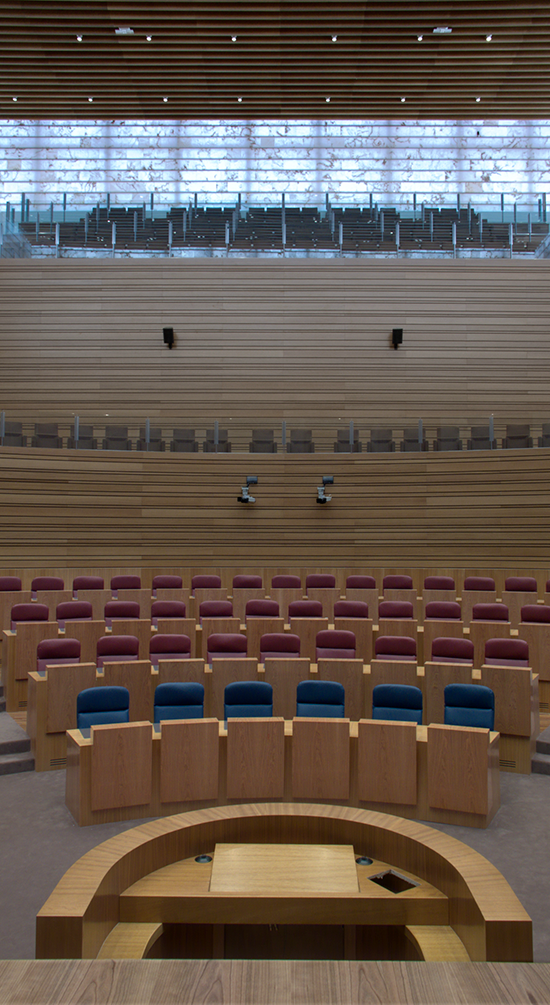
(284, 868)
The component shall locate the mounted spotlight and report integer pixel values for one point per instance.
(321, 497)
(245, 496)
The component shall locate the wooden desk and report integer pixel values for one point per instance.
(19, 659)
(283, 868)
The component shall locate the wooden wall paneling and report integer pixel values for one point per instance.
(387, 762)
(64, 683)
(225, 671)
(390, 672)
(362, 629)
(327, 597)
(284, 597)
(255, 758)
(189, 760)
(284, 675)
(470, 598)
(350, 674)
(436, 678)
(19, 659)
(256, 627)
(240, 598)
(139, 627)
(121, 765)
(512, 689)
(136, 676)
(321, 759)
(458, 763)
(179, 626)
(88, 634)
(217, 626)
(537, 637)
(307, 629)
(481, 631)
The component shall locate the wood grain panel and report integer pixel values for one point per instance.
(88, 634)
(189, 760)
(512, 689)
(225, 671)
(457, 768)
(255, 758)
(121, 765)
(179, 626)
(537, 637)
(64, 683)
(362, 629)
(321, 759)
(307, 630)
(481, 631)
(350, 674)
(434, 628)
(436, 678)
(139, 627)
(284, 675)
(256, 627)
(136, 676)
(386, 762)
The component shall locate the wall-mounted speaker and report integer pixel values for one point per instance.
(397, 337)
(168, 336)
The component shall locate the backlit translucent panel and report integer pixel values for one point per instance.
(349, 161)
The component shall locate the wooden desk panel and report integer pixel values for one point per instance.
(386, 768)
(181, 594)
(362, 629)
(428, 596)
(136, 676)
(189, 757)
(88, 633)
(537, 637)
(19, 659)
(63, 685)
(176, 671)
(141, 597)
(51, 598)
(215, 626)
(284, 597)
(179, 626)
(284, 868)
(436, 678)
(320, 759)
(350, 674)
(242, 596)
(256, 627)
(225, 671)
(121, 765)
(284, 675)
(98, 599)
(140, 627)
(50, 747)
(512, 689)
(515, 600)
(255, 758)
(458, 763)
(481, 632)
(371, 597)
(8, 599)
(327, 596)
(404, 627)
(307, 629)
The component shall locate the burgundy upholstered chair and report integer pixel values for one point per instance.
(335, 644)
(286, 583)
(28, 612)
(166, 583)
(439, 583)
(169, 647)
(279, 645)
(351, 609)
(320, 580)
(305, 609)
(397, 583)
(395, 647)
(453, 651)
(226, 646)
(73, 610)
(57, 651)
(10, 584)
(246, 582)
(88, 583)
(535, 613)
(167, 609)
(206, 583)
(121, 609)
(446, 610)
(125, 583)
(521, 584)
(395, 609)
(215, 609)
(507, 653)
(46, 583)
(360, 583)
(479, 583)
(117, 649)
(490, 612)
(262, 609)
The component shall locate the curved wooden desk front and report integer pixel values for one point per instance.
(113, 886)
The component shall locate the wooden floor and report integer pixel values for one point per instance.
(136, 982)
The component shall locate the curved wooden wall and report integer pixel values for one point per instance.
(87, 510)
(259, 341)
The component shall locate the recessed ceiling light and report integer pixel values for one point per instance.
(488, 38)
(443, 30)
(124, 31)
(335, 38)
(233, 38)
(327, 99)
(420, 37)
(478, 99)
(90, 99)
(403, 100)
(165, 99)
(239, 99)
(79, 38)
(149, 38)
(14, 99)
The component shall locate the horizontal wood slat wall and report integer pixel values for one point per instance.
(258, 342)
(93, 509)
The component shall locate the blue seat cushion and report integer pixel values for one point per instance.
(398, 714)
(98, 718)
(483, 718)
(178, 712)
(304, 708)
(247, 711)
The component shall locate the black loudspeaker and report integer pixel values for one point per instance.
(397, 337)
(168, 336)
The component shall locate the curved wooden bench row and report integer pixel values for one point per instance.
(483, 911)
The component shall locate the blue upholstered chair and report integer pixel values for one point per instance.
(469, 705)
(400, 702)
(323, 699)
(99, 705)
(247, 699)
(179, 700)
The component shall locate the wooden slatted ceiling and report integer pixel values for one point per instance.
(283, 63)
(258, 342)
(89, 509)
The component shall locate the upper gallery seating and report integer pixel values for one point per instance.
(262, 442)
(300, 442)
(183, 441)
(448, 438)
(517, 437)
(381, 441)
(343, 444)
(411, 442)
(116, 438)
(155, 439)
(46, 434)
